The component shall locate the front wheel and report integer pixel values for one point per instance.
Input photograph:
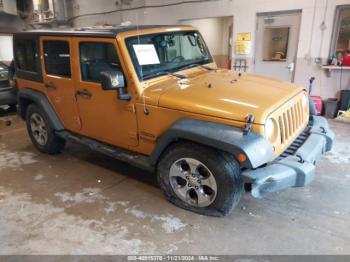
(200, 179)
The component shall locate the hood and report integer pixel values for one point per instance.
(223, 94)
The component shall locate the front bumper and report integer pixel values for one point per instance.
(296, 170)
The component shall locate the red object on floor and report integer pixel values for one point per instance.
(318, 103)
(346, 60)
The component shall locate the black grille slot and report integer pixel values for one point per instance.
(298, 142)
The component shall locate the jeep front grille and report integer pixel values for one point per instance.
(291, 122)
(297, 143)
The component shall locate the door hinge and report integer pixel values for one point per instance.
(131, 108)
(77, 121)
(133, 135)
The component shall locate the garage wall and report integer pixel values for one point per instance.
(313, 43)
(82, 7)
(8, 25)
(11, 23)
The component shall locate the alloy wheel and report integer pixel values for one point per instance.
(39, 129)
(193, 182)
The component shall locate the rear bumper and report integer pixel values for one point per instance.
(8, 96)
(295, 170)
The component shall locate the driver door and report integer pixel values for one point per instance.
(104, 117)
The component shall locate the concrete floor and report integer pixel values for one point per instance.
(81, 202)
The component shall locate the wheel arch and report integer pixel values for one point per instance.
(218, 136)
(29, 96)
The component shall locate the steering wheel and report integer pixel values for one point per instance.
(179, 58)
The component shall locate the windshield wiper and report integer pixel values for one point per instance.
(180, 76)
(161, 73)
(199, 65)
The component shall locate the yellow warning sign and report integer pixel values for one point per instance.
(244, 36)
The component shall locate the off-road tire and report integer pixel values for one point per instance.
(223, 167)
(54, 144)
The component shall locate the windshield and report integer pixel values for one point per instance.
(163, 53)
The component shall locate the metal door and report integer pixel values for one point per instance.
(276, 45)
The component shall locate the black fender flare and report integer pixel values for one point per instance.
(41, 100)
(222, 137)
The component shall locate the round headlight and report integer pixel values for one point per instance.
(270, 130)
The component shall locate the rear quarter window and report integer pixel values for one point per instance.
(26, 55)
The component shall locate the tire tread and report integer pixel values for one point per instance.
(220, 162)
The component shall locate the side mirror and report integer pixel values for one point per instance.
(114, 80)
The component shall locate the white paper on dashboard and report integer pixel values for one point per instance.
(146, 54)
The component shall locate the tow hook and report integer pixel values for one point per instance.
(323, 130)
(247, 127)
(301, 160)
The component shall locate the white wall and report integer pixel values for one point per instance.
(6, 49)
(310, 45)
(8, 25)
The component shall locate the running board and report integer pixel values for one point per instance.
(124, 155)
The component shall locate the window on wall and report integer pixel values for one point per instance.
(96, 58)
(276, 44)
(342, 31)
(57, 58)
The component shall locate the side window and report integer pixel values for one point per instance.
(26, 54)
(96, 58)
(57, 58)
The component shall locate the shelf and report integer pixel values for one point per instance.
(330, 68)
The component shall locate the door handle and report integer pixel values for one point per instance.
(84, 93)
(50, 85)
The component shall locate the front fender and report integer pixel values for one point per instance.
(222, 137)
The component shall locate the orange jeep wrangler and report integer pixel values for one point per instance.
(153, 97)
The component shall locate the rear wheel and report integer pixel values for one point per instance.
(41, 133)
(200, 179)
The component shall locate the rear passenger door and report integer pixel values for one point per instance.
(104, 117)
(58, 79)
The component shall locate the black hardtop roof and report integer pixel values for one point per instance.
(100, 31)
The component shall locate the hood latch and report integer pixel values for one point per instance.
(247, 127)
